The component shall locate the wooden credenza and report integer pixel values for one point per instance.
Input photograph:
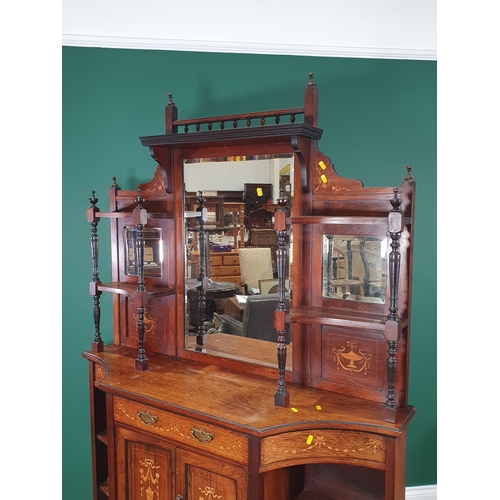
(190, 432)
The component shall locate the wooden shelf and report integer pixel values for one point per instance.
(102, 437)
(129, 289)
(104, 487)
(320, 315)
(330, 219)
(129, 215)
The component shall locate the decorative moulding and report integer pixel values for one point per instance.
(116, 42)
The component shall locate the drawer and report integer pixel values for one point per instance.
(230, 260)
(184, 430)
(216, 260)
(323, 445)
(224, 271)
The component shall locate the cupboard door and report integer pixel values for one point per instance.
(144, 471)
(205, 478)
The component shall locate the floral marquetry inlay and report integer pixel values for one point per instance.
(209, 493)
(150, 484)
(351, 358)
(150, 420)
(318, 444)
(178, 428)
(326, 180)
(321, 442)
(157, 185)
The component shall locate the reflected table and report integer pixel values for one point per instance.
(217, 294)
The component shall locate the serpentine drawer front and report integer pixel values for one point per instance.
(194, 433)
(318, 445)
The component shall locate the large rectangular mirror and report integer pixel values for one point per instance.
(236, 254)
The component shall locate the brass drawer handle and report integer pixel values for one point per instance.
(147, 418)
(201, 435)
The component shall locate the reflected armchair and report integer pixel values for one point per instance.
(257, 321)
(255, 265)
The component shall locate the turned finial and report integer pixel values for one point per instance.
(311, 76)
(170, 101)
(201, 200)
(282, 200)
(409, 175)
(396, 201)
(93, 200)
(139, 199)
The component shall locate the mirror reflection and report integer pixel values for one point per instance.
(354, 267)
(234, 248)
(152, 251)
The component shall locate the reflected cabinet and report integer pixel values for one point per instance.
(246, 371)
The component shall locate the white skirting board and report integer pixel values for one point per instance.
(421, 492)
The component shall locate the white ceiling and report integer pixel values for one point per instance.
(391, 29)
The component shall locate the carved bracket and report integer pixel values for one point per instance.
(161, 155)
(302, 164)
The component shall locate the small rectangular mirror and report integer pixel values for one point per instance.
(153, 251)
(354, 268)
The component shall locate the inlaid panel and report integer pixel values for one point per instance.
(147, 470)
(351, 361)
(153, 319)
(208, 485)
(200, 478)
(157, 328)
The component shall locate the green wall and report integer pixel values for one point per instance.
(377, 116)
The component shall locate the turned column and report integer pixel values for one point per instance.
(93, 218)
(281, 396)
(392, 331)
(201, 336)
(140, 218)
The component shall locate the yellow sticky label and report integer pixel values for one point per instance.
(309, 439)
(294, 410)
(259, 191)
(322, 165)
(318, 407)
(323, 178)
